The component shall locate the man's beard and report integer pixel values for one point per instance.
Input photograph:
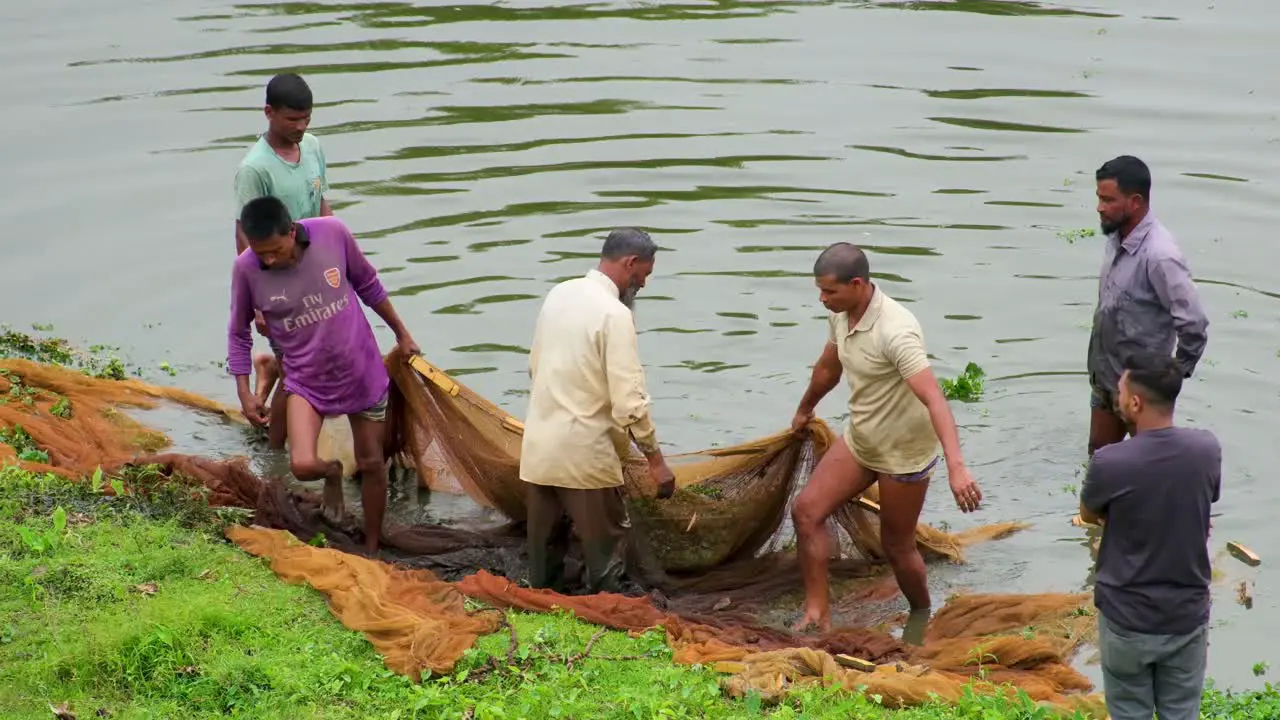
(1125, 416)
(628, 297)
(1110, 226)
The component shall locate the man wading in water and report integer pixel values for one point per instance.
(587, 401)
(1146, 298)
(897, 415)
(307, 280)
(288, 163)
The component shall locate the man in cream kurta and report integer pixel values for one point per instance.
(588, 401)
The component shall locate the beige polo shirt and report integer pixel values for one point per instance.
(889, 430)
(587, 390)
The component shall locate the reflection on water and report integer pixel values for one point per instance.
(481, 152)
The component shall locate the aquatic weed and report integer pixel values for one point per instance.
(967, 386)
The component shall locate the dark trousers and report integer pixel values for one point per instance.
(600, 519)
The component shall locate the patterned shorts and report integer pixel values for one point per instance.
(376, 413)
(1100, 399)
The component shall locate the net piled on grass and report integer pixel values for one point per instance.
(414, 618)
(73, 421)
(958, 653)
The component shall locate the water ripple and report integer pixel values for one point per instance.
(942, 158)
(992, 7)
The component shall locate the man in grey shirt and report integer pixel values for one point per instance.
(1146, 298)
(1153, 493)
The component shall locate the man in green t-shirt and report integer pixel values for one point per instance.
(287, 162)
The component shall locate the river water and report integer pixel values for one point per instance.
(480, 152)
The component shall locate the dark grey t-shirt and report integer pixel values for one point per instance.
(1155, 490)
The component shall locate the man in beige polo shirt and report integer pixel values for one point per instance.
(587, 403)
(897, 416)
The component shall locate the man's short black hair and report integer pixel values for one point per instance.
(1155, 376)
(289, 91)
(1131, 175)
(843, 261)
(265, 217)
(627, 241)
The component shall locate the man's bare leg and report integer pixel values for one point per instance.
(1105, 428)
(267, 371)
(836, 480)
(369, 438)
(304, 431)
(900, 504)
(278, 414)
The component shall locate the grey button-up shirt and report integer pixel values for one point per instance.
(1146, 301)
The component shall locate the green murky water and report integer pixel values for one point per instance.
(480, 151)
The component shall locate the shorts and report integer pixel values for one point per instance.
(920, 476)
(377, 412)
(275, 349)
(1100, 399)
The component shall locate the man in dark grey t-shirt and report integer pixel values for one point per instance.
(1153, 492)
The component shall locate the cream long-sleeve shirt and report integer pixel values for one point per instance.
(588, 388)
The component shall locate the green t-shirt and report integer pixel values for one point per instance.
(300, 186)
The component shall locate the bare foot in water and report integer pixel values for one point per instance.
(812, 619)
(334, 506)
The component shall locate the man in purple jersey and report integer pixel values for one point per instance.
(305, 278)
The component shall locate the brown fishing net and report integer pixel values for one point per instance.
(720, 544)
(729, 505)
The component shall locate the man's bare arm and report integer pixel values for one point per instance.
(826, 374)
(389, 315)
(325, 210)
(925, 387)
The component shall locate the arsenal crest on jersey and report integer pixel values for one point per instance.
(333, 277)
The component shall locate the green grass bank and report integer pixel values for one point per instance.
(127, 608)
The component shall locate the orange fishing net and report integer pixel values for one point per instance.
(721, 539)
(416, 621)
(770, 662)
(75, 419)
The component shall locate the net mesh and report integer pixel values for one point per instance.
(720, 541)
(730, 503)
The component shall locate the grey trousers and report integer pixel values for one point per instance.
(1143, 674)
